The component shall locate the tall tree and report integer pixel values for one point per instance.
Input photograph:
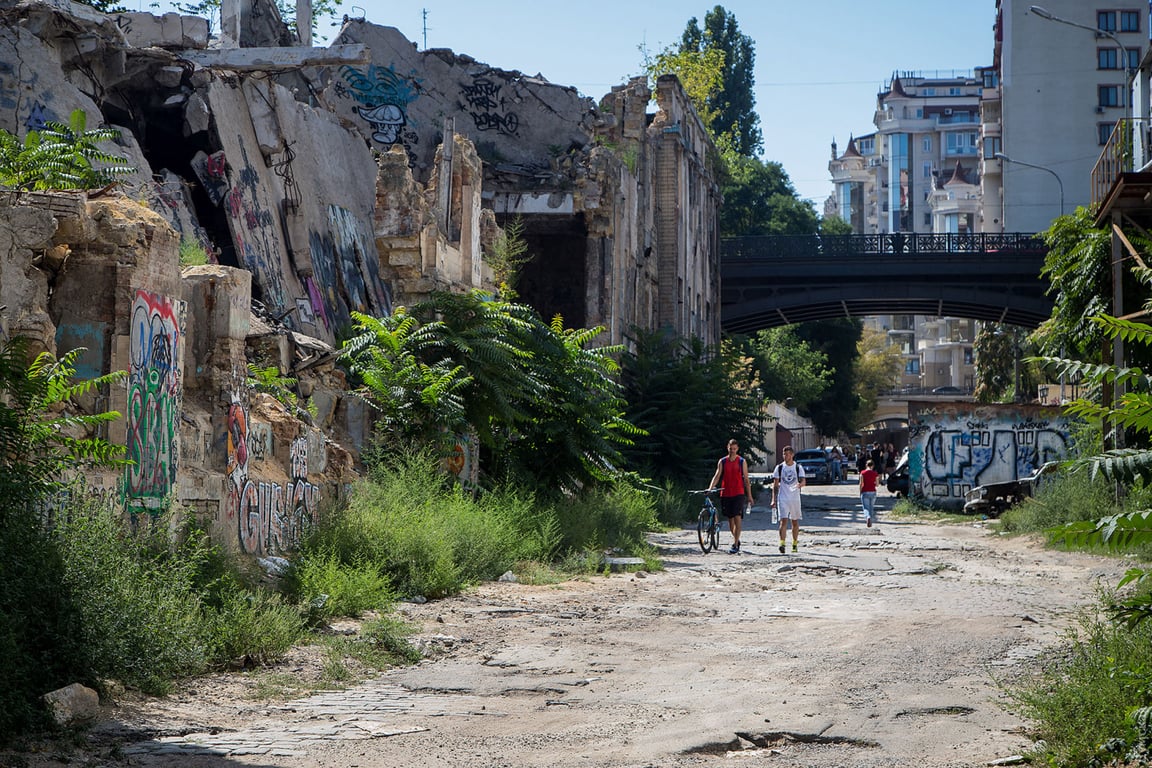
(834, 412)
(878, 367)
(790, 368)
(690, 400)
(734, 104)
(759, 199)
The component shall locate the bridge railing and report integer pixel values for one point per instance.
(774, 247)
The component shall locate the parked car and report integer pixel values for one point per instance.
(948, 391)
(899, 481)
(993, 498)
(817, 464)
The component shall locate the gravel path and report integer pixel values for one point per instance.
(868, 648)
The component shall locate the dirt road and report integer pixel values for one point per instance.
(868, 648)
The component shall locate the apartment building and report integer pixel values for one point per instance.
(1063, 70)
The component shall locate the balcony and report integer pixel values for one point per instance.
(1122, 176)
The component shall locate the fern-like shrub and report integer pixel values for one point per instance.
(60, 156)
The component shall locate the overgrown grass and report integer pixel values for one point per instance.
(1064, 498)
(1085, 689)
(428, 537)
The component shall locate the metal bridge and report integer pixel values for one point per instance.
(777, 280)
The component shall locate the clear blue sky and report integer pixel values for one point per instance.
(819, 63)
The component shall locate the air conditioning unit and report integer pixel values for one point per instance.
(948, 110)
(1099, 110)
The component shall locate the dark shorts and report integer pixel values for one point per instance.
(732, 506)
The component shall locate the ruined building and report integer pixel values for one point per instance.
(320, 182)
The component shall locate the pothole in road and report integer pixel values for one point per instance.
(932, 711)
(746, 741)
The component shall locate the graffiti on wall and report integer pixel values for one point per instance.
(487, 108)
(270, 516)
(256, 233)
(153, 399)
(384, 96)
(347, 270)
(954, 449)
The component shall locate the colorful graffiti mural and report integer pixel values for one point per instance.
(270, 516)
(347, 270)
(385, 97)
(955, 448)
(153, 400)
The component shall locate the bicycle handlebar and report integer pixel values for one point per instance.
(707, 490)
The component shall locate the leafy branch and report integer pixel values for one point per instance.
(59, 157)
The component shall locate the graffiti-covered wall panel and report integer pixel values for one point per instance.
(404, 95)
(155, 343)
(955, 447)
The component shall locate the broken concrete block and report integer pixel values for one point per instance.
(73, 704)
(169, 77)
(197, 118)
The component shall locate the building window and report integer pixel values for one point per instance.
(1107, 58)
(926, 143)
(1108, 95)
(1129, 21)
(969, 358)
(1106, 21)
(1104, 132)
(991, 147)
(1133, 58)
(866, 146)
(954, 91)
(929, 92)
(912, 367)
(962, 143)
(991, 79)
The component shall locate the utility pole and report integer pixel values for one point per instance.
(424, 14)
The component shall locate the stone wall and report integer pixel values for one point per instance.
(956, 446)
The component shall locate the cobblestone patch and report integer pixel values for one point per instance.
(372, 710)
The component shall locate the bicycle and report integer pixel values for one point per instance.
(708, 523)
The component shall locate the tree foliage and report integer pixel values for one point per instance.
(701, 75)
(790, 369)
(540, 399)
(834, 411)
(759, 199)
(733, 106)
(690, 401)
(60, 156)
(878, 367)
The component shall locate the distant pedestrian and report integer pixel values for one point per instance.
(787, 480)
(890, 459)
(735, 491)
(868, 478)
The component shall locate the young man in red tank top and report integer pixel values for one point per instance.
(735, 491)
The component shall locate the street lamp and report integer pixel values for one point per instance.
(1005, 158)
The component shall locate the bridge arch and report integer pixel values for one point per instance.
(778, 280)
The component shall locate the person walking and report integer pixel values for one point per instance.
(868, 478)
(787, 480)
(735, 491)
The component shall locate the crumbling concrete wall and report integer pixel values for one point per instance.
(105, 274)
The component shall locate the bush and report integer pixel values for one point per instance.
(331, 588)
(139, 614)
(427, 536)
(1064, 498)
(249, 627)
(614, 518)
(1086, 687)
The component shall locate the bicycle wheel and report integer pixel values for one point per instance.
(705, 531)
(715, 531)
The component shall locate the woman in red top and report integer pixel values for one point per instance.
(735, 490)
(868, 491)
